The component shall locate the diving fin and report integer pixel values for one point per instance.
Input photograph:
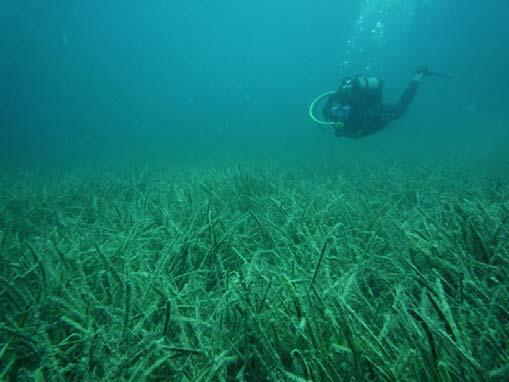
(426, 72)
(440, 75)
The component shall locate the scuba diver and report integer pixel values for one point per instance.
(356, 109)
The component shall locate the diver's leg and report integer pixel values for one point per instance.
(391, 112)
(408, 96)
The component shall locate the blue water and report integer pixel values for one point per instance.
(115, 82)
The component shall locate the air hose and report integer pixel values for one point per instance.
(312, 109)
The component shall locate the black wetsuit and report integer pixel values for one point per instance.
(367, 114)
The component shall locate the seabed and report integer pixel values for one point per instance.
(254, 273)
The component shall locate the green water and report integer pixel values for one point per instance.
(169, 212)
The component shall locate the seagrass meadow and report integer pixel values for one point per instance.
(254, 273)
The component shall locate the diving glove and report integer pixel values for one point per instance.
(422, 70)
(420, 73)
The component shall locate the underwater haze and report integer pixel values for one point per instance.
(170, 210)
(87, 82)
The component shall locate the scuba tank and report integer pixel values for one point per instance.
(361, 88)
(370, 84)
(361, 82)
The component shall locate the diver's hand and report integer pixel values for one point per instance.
(420, 72)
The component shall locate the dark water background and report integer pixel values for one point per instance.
(113, 82)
